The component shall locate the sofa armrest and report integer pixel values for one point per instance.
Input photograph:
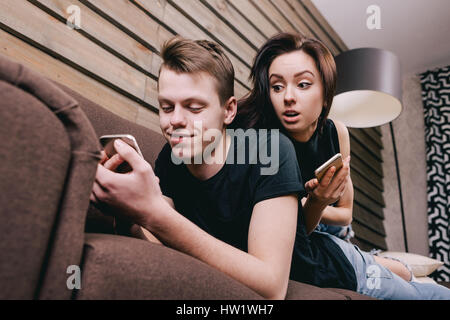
(35, 156)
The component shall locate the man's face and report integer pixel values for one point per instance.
(189, 107)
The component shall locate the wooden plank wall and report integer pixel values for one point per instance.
(113, 60)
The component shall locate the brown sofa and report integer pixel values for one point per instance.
(48, 158)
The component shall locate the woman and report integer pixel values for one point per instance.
(316, 139)
(294, 82)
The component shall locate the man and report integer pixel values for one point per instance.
(227, 214)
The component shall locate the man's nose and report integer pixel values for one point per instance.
(177, 118)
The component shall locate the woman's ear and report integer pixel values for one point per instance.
(230, 109)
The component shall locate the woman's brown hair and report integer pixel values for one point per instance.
(255, 110)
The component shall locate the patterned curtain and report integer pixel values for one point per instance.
(436, 102)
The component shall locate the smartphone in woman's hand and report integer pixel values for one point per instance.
(335, 161)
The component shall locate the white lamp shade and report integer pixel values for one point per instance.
(365, 108)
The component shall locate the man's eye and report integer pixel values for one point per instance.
(166, 108)
(304, 85)
(195, 108)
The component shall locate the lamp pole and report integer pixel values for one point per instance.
(399, 182)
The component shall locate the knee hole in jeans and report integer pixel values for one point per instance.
(375, 275)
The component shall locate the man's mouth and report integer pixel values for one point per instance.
(177, 137)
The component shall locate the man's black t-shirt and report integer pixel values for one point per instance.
(223, 204)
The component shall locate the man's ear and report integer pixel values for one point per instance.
(230, 109)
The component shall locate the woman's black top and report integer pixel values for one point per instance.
(317, 259)
(318, 149)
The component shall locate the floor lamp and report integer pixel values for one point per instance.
(369, 94)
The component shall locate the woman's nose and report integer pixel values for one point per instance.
(289, 96)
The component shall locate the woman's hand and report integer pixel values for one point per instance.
(332, 186)
(135, 195)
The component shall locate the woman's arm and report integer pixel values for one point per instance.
(321, 194)
(342, 213)
(332, 188)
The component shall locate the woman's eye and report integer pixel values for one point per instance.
(304, 85)
(276, 87)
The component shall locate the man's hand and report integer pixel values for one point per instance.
(135, 195)
(331, 188)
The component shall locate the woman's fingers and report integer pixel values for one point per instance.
(311, 185)
(308, 187)
(338, 182)
(333, 184)
(327, 177)
(342, 175)
(339, 185)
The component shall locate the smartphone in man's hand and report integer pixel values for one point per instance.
(107, 143)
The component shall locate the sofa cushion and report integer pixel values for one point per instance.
(421, 266)
(350, 295)
(117, 267)
(303, 291)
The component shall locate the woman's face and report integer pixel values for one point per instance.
(296, 92)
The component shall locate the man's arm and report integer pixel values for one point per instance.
(265, 268)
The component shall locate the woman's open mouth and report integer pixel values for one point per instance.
(291, 116)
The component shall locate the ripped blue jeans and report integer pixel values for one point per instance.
(379, 282)
(345, 232)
